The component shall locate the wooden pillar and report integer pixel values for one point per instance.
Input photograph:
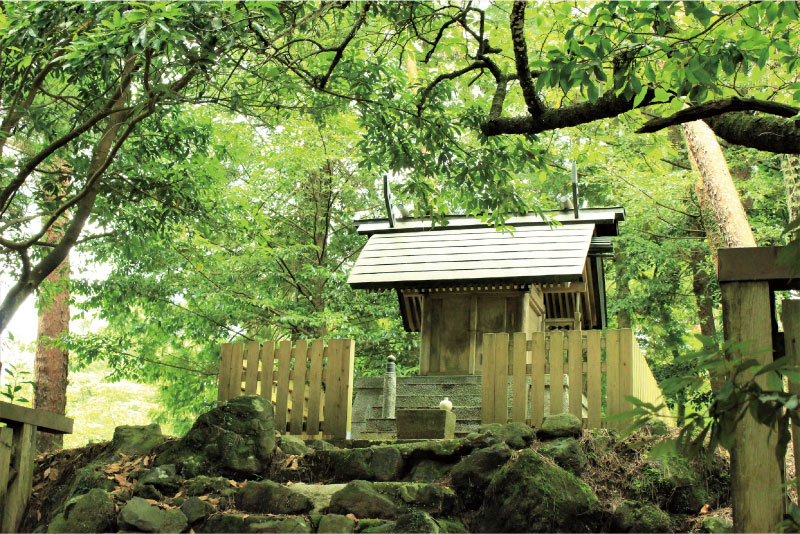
(756, 475)
(19, 490)
(791, 332)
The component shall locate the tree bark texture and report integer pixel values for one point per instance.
(723, 214)
(790, 165)
(51, 363)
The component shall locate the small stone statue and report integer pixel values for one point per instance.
(446, 404)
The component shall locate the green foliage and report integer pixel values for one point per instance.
(17, 386)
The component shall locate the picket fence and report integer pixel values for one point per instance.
(321, 407)
(598, 364)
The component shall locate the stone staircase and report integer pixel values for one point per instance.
(424, 392)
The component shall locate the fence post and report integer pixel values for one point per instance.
(791, 334)
(389, 388)
(756, 481)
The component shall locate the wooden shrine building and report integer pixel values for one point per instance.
(456, 282)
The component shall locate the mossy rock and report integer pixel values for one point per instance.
(162, 477)
(92, 512)
(335, 523)
(443, 450)
(290, 524)
(360, 498)
(234, 439)
(431, 498)
(471, 476)
(634, 516)
(416, 521)
(203, 485)
(140, 515)
(530, 494)
(429, 471)
(451, 526)
(195, 509)
(135, 440)
(373, 525)
(269, 497)
(292, 445)
(381, 463)
(515, 435)
(561, 425)
(322, 445)
(567, 453)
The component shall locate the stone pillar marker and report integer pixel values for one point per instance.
(389, 388)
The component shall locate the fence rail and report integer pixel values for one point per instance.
(321, 405)
(523, 362)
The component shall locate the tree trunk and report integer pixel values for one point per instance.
(50, 365)
(790, 165)
(623, 291)
(724, 216)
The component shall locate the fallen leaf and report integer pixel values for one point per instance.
(146, 461)
(191, 531)
(705, 509)
(116, 508)
(153, 501)
(232, 483)
(353, 517)
(203, 497)
(214, 501)
(178, 494)
(38, 515)
(124, 456)
(53, 474)
(46, 473)
(121, 480)
(245, 516)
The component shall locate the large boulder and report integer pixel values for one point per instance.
(254, 523)
(561, 425)
(92, 512)
(361, 499)
(531, 494)
(269, 497)
(292, 445)
(140, 515)
(672, 477)
(471, 476)
(163, 478)
(196, 509)
(335, 524)
(135, 440)
(429, 471)
(567, 453)
(381, 463)
(236, 439)
(515, 435)
(416, 521)
(634, 516)
(431, 498)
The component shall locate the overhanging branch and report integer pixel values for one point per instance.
(719, 107)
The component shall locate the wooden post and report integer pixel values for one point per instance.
(756, 475)
(791, 335)
(19, 491)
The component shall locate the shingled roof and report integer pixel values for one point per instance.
(466, 251)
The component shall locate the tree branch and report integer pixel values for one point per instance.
(719, 107)
(535, 106)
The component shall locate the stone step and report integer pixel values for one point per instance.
(462, 412)
(465, 399)
(443, 379)
(381, 425)
(440, 390)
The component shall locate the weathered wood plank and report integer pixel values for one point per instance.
(19, 490)
(402, 266)
(488, 379)
(756, 474)
(251, 374)
(537, 373)
(14, 415)
(6, 444)
(575, 372)
(284, 354)
(626, 370)
(565, 272)
(224, 375)
(315, 354)
(414, 255)
(594, 377)
(265, 379)
(556, 372)
(501, 378)
(299, 386)
(791, 335)
(235, 381)
(519, 387)
(612, 374)
(331, 412)
(348, 364)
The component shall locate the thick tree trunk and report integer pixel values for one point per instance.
(723, 214)
(50, 366)
(790, 165)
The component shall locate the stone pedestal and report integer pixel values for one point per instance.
(425, 424)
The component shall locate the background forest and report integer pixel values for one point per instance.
(211, 158)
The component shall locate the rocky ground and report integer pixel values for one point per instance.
(231, 473)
